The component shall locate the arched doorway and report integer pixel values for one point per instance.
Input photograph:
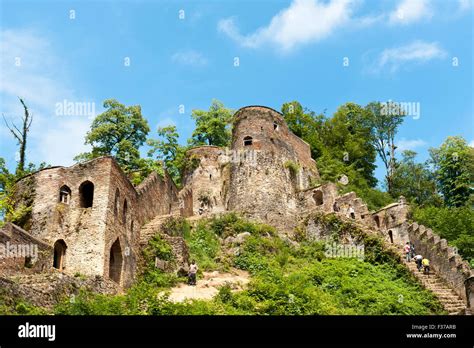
(59, 254)
(390, 234)
(86, 194)
(115, 262)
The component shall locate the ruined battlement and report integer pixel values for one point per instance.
(444, 259)
(264, 129)
(205, 180)
(91, 214)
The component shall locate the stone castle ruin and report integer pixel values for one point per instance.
(89, 219)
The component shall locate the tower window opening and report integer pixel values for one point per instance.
(64, 194)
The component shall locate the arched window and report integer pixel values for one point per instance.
(115, 261)
(318, 197)
(86, 194)
(275, 126)
(377, 221)
(248, 141)
(59, 254)
(116, 202)
(124, 212)
(390, 234)
(65, 194)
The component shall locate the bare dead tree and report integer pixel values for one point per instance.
(21, 135)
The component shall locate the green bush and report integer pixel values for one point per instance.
(204, 247)
(292, 166)
(176, 226)
(158, 247)
(232, 224)
(286, 279)
(454, 224)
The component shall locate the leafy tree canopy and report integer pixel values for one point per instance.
(119, 131)
(212, 126)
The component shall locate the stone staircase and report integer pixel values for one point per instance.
(152, 227)
(451, 302)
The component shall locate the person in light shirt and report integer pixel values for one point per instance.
(193, 268)
(407, 250)
(418, 259)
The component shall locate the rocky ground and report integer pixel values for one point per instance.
(208, 285)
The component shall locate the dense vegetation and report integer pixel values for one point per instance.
(286, 279)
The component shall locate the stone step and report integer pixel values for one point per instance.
(446, 296)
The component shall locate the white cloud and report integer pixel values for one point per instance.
(189, 57)
(410, 11)
(415, 52)
(465, 5)
(405, 144)
(41, 80)
(471, 143)
(304, 21)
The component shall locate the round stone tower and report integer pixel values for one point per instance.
(269, 166)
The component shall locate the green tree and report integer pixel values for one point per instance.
(414, 181)
(385, 120)
(453, 162)
(6, 181)
(349, 137)
(119, 132)
(168, 150)
(212, 126)
(306, 124)
(340, 144)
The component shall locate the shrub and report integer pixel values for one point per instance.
(176, 226)
(454, 224)
(292, 166)
(204, 246)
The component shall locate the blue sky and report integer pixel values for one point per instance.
(398, 50)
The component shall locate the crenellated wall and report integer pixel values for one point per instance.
(157, 196)
(443, 258)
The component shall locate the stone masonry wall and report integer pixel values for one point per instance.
(21, 252)
(122, 222)
(270, 132)
(157, 196)
(443, 259)
(266, 187)
(82, 229)
(206, 184)
(117, 213)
